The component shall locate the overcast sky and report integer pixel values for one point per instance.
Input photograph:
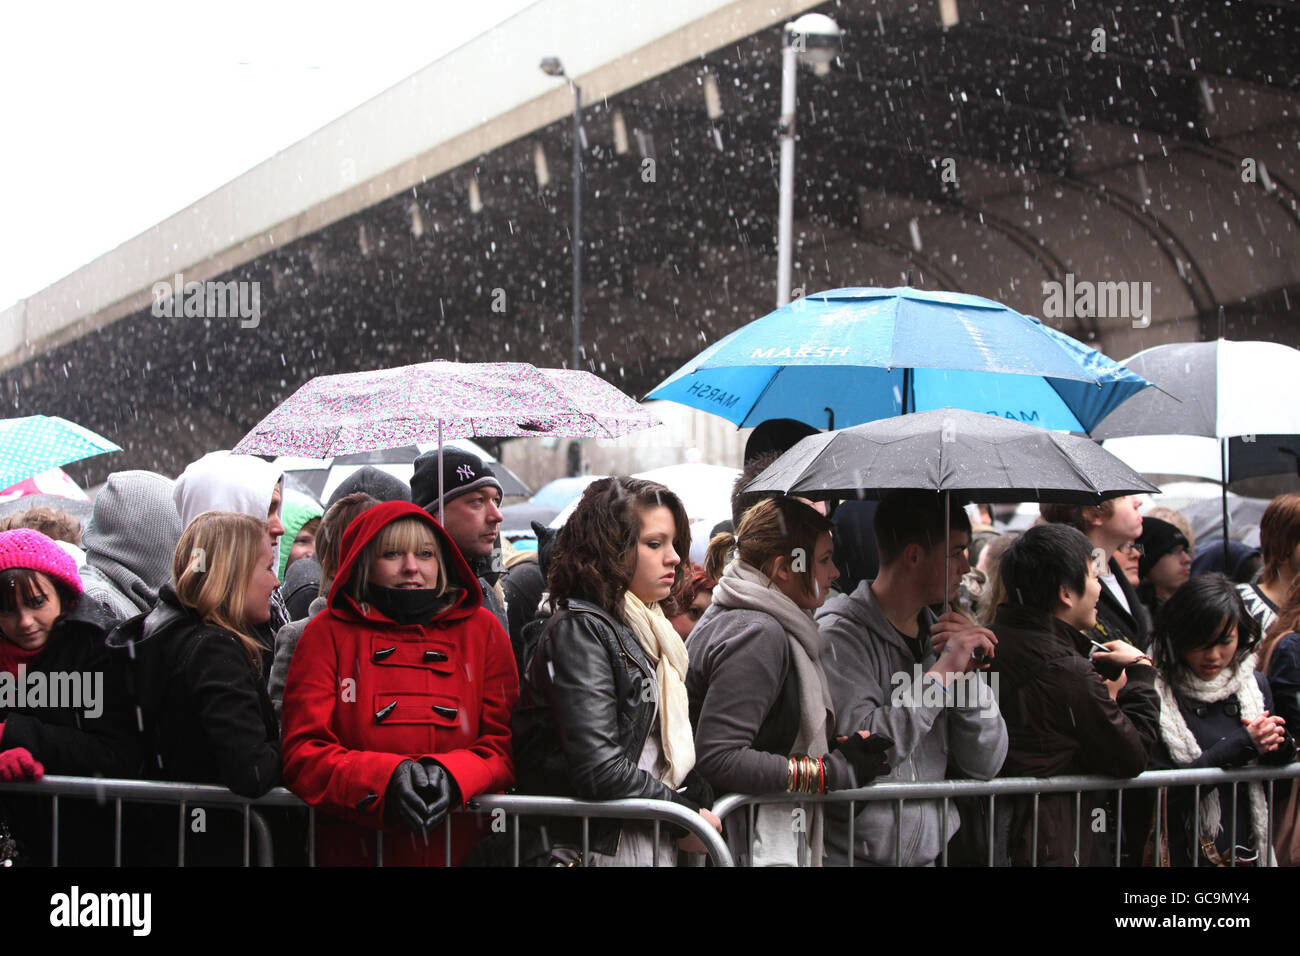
(116, 115)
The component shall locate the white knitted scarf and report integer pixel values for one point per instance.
(663, 645)
(1236, 682)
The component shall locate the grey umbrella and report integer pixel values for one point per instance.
(974, 456)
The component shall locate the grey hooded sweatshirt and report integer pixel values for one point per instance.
(129, 543)
(871, 671)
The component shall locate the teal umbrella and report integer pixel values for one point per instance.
(31, 445)
(850, 356)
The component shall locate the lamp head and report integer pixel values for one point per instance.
(552, 66)
(817, 38)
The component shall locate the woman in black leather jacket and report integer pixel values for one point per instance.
(603, 713)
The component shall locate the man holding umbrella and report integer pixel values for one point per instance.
(895, 669)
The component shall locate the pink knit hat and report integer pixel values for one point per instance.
(25, 548)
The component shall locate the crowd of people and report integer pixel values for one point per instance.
(388, 658)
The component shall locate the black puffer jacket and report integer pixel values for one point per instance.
(583, 719)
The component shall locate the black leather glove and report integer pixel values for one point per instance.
(439, 791)
(404, 802)
(857, 761)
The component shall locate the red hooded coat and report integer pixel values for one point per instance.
(454, 685)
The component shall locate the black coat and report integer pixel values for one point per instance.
(1061, 720)
(1115, 623)
(207, 719)
(75, 741)
(97, 739)
(1224, 742)
(583, 719)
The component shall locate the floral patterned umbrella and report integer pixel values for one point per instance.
(434, 401)
(386, 408)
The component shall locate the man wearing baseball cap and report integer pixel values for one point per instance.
(471, 505)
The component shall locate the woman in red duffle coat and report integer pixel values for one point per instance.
(398, 701)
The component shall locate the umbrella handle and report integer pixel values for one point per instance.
(440, 488)
(947, 550)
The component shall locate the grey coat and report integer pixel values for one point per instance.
(870, 669)
(286, 639)
(740, 660)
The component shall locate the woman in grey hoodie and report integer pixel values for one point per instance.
(759, 700)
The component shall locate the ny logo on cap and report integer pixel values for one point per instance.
(464, 472)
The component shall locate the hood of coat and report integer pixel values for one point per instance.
(363, 530)
(133, 533)
(220, 481)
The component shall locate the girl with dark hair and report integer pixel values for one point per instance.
(685, 611)
(1279, 657)
(1215, 712)
(759, 700)
(603, 712)
(47, 629)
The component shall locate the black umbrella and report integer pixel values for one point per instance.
(974, 456)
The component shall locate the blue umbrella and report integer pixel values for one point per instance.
(850, 356)
(29, 446)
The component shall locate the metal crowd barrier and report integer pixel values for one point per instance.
(184, 795)
(946, 790)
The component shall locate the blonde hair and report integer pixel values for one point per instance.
(404, 534)
(212, 567)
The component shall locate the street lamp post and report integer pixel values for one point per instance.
(814, 37)
(552, 66)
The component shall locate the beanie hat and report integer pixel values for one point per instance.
(25, 548)
(296, 510)
(1158, 538)
(462, 472)
(375, 482)
(1209, 557)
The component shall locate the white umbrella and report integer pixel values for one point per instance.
(1217, 390)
